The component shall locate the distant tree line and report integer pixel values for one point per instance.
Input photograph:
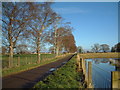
(106, 48)
(116, 48)
(28, 26)
(101, 48)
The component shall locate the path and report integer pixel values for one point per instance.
(28, 79)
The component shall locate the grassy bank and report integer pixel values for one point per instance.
(64, 77)
(100, 55)
(10, 71)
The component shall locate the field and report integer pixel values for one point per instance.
(24, 59)
(64, 77)
(29, 63)
(100, 55)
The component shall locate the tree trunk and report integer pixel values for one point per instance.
(38, 50)
(38, 43)
(11, 54)
(57, 50)
(11, 45)
(54, 49)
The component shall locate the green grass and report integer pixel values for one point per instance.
(10, 71)
(64, 77)
(24, 59)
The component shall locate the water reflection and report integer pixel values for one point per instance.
(100, 60)
(112, 61)
(116, 63)
(101, 71)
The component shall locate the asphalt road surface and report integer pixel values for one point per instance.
(28, 79)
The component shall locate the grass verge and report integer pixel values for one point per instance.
(64, 77)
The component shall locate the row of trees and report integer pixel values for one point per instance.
(96, 48)
(101, 48)
(29, 26)
(116, 48)
(106, 48)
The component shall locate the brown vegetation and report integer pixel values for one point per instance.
(100, 55)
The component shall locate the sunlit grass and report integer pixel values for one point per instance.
(24, 59)
(15, 70)
(64, 77)
(100, 55)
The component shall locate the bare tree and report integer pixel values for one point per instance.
(64, 39)
(4, 50)
(51, 49)
(104, 47)
(22, 49)
(96, 48)
(56, 35)
(15, 17)
(45, 18)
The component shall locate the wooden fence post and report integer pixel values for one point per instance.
(84, 68)
(31, 59)
(18, 61)
(26, 59)
(9, 62)
(79, 68)
(115, 79)
(89, 75)
(80, 63)
(86, 77)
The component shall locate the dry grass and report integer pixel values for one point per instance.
(100, 55)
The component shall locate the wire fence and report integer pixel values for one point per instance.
(21, 60)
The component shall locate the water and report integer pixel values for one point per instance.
(101, 71)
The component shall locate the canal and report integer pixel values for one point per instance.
(101, 71)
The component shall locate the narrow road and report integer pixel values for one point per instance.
(28, 79)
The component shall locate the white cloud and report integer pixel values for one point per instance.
(71, 10)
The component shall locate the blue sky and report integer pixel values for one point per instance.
(93, 22)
